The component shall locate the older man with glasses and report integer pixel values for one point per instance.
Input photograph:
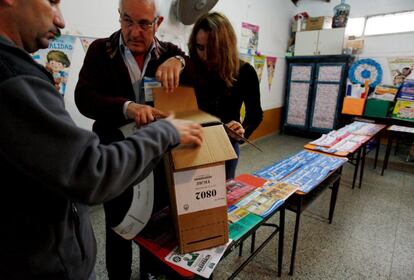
(111, 91)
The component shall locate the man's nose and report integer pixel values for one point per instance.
(59, 20)
(136, 30)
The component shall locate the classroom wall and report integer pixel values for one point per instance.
(359, 8)
(379, 47)
(273, 17)
(83, 18)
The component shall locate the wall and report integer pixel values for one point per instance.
(378, 47)
(84, 18)
(358, 8)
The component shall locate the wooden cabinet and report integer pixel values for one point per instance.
(315, 89)
(319, 42)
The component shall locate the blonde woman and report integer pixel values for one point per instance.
(221, 80)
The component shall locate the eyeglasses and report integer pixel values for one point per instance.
(143, 24)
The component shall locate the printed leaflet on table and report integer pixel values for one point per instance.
(304, 169)
(242, 226)
(200, 262)
(283, 168)
(312, 174)
(266, 199)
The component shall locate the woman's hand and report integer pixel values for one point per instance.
(236, 127)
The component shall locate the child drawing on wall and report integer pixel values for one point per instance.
(57, 61)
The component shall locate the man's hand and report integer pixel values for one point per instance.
(190, 132)
(236, 127)
(143, 114)
(168, 73)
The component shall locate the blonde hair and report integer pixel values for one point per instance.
(221, 47)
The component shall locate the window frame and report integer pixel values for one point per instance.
(366, 18)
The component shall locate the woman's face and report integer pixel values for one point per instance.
(201, 45)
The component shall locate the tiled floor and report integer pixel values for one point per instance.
(371, 236)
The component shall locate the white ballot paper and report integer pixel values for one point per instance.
(200, 262)
(140, 210)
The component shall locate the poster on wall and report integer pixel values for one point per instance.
(401, 68)
(271, 64)
(249, 38)
(57, 59)
(245, 57)
(259, 61)
(86, 41)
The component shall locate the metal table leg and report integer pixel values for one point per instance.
(361, 173)
(296, 233)
(334, 195)
(281, 240)
(387, 152)
(378, 139)
(358, 158)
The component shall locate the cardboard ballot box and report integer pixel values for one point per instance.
(196, 175)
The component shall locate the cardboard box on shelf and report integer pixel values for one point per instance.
(354, 46)
(318, 23)
(196, 175)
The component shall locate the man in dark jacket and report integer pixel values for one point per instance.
(50, 168)
(111, 91)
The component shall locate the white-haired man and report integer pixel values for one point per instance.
(111, 91)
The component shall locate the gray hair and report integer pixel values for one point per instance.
(156, 4)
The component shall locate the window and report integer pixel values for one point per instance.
(391, 23)
(381, 24)
(355, 27)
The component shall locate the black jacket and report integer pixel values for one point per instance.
(214, 97)
(50, 169)
(104, 84)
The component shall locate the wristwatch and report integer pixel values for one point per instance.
(182, 60)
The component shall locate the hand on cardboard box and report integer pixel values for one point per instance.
(143, 114)
(168, 73)
(190, 132)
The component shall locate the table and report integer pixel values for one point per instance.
(165, 241)
(252, 233)
(301, 169)
(300, 200)
(357, 153)
(393, 132)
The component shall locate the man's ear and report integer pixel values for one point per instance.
(159, 20)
